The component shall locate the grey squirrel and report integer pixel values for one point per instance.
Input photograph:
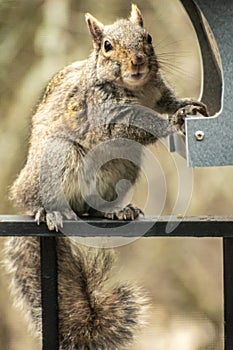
(117, 93)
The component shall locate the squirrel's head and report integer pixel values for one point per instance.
(124, 52)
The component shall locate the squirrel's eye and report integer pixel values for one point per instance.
(107, 46)
(149, 39)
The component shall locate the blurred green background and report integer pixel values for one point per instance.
(183, 277)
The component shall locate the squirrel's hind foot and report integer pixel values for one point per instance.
(128, 213)
(54, 219)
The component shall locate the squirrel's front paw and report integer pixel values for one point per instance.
(54, 219)
(192, 108)
(128, 213)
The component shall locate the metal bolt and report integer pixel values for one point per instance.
(199, 134)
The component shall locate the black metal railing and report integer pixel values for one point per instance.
(184, 227)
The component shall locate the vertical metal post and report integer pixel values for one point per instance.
(49, 295)
(228, 291)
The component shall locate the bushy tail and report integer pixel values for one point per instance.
(91, 316)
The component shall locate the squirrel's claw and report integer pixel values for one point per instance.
(40, 215)
(54, 219)
(128, 213)
(192, 108)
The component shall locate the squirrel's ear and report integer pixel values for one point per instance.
(136, 16)
(96, 29)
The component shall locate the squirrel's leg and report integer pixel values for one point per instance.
(58, 181)
(112, 185)
(45, 184)
(168, 103)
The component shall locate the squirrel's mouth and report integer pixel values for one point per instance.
(135, 78)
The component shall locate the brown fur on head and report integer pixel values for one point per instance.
(124, 51)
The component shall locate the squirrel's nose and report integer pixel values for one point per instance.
(138, 60)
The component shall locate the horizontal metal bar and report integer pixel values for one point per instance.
(163, 226)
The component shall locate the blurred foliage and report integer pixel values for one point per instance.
(182, 276)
